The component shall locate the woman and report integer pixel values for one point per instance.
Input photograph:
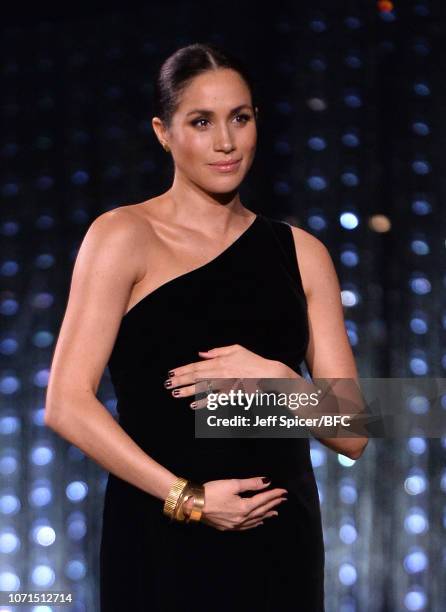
(187, 285)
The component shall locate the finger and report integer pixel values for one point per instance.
(206, 385)
(251, 526)
(251, 503)
(271, 514)
(258, 512)
(190, 368)
(198, 404)
(189, 375)
(262, 517)
(249, 484)
(183, 391)
(220, 350)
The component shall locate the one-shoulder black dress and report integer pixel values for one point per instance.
(250, 294)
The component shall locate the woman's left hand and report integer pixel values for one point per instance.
(230, 362)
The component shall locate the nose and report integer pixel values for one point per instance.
(223, 140)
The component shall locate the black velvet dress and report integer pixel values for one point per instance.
(250, 294)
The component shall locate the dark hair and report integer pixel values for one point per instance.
(178, 70)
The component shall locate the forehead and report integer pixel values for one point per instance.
(217, 88)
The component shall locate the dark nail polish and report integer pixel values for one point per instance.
(171, 373)
(265, 479)
(167, 383)
(175, 392)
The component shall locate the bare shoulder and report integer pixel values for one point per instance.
(315, 262)
(121, 232)
(122, 219)
(306, 243)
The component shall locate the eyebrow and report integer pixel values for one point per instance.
(204, 111)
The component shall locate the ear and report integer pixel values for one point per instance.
(160, 130)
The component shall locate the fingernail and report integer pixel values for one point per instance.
(176, 392)
(193, 404)
(171, 373)
(167, 383)
(265, 479)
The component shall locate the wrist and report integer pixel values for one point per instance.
(184, 501)
(277, 371)
(281, 370)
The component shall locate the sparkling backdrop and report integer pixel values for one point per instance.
(351, 138)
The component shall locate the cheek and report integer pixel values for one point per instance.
(247, 139)
(193, 144)
(251, 136)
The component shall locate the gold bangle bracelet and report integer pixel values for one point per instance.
(188, 491)
(179, 493)
(179, 512)
(171, 500)
(197, 508)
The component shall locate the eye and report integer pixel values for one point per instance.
(197, 121)
(245, 118)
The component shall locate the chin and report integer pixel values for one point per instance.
(222, 187)
(219, 184)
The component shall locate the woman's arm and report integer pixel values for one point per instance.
(329, 354)
(108, 264)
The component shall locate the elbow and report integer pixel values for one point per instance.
(50, 410)
(357, 451)
(61, 406)
(58, 400)
(49, 417)
(354, 455)
(54, 407)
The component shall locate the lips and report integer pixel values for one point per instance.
(225, 163)
(226, 167)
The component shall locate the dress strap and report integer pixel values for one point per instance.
(283, 236)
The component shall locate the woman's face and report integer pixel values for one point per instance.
(214, 122)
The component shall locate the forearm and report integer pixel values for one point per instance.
(87, 424)
(351, 446)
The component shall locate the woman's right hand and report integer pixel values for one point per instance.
(224, 509)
